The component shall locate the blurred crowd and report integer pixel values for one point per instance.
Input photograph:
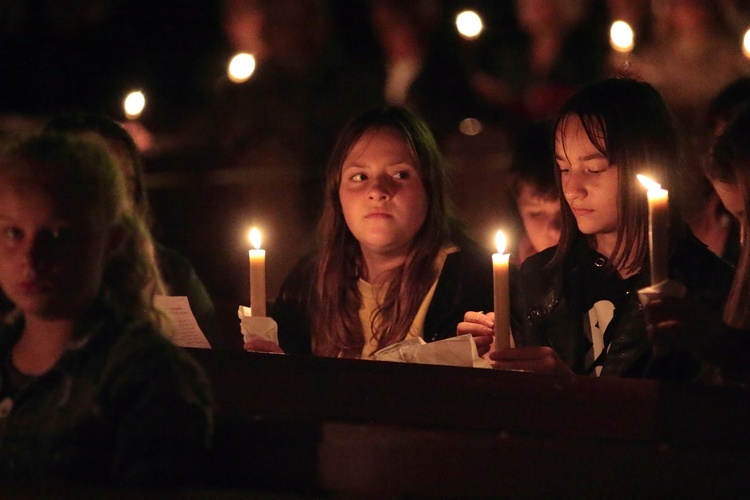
(220, 156)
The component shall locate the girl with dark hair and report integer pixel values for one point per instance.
(722, 341)
(576, 303)
(393, 262)
(91, 392)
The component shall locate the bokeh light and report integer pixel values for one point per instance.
(469, 24)
(134, 104)
(470, 126)
(241, 67)
(621, 37)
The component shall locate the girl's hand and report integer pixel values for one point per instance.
(259, 345)
(531, 359)
(481, 327)
(680, 324)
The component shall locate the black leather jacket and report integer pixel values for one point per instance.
(549, 309)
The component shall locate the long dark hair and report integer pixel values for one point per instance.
(730, 164)
(629, 123)
(337, 329)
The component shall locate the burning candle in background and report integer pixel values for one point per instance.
(621, 37)
(658, 229)
(500, 268)
(257, 275)
(134, 104)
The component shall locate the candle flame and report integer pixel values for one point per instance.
(500, 241)
(255, 238)
(648, 183)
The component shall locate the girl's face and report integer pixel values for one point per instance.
(382, 195)
(589, 183)
(540, 215)
(52, 255)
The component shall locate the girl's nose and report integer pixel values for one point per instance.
(380, 190)
(573, 187)
(37, 253)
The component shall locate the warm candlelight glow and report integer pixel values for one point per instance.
(658, 229)
(241, 67)
(501, 279)
(746, 44)
(648, 183)
(501, 242)
(469, 24)
(134, 104)
(257, 275)
(621, 37)
(254, 238)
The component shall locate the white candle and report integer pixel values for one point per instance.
(658, 229)
(257, 275)
(500, 267)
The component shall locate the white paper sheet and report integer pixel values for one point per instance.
(455, 351)
(186, 332)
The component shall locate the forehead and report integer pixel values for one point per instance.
(529, 195)
(382, 141)
(572, 134)
(23, 193)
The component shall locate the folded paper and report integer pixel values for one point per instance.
(455, 351)
(257, 327)
(185, 330)
(666, 288)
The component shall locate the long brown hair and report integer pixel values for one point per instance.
(730, 164)
(336, 326)
(629, 123)
(83, 173)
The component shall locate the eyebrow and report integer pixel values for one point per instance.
(394, 164)
(592, 156)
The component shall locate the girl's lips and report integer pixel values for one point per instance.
(378, 215)
(581, 211)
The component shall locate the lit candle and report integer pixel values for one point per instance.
(658, 229)
(500, 266)
(257, 275)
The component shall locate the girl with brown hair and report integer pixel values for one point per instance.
(393, 262)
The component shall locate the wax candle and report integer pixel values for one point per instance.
(500, 267)
(658, 229)
(257, 275)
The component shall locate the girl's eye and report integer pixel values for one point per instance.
(358, 177)
(401, 175)
(12, 233)
(60, 234)
(597, 170)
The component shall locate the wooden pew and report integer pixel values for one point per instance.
(308, 425)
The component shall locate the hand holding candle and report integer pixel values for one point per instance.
(500, 268)
(257, 275)
(658, 229)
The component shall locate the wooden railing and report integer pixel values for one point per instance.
(309, 425)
